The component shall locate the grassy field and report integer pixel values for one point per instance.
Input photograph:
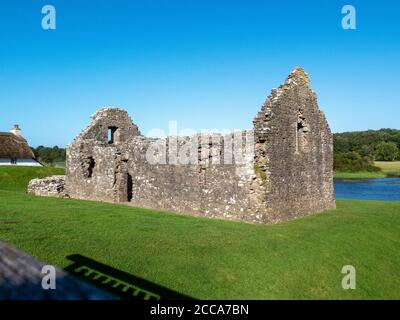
(17, 177)
(60, 164)
(389, 169)
(204, 258)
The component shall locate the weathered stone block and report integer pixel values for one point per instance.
(53, 186)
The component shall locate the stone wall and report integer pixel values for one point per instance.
(93, 162)
(294, 146)
(22, 277)
(211, 187)
(282, 170)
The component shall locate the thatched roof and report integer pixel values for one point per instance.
(13, 146)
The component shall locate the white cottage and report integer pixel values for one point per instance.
(14, 149)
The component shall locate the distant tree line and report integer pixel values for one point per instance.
(381, 145)
(49, 155)
(356, 151)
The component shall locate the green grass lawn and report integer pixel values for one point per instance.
(205, 258)
(17, 177)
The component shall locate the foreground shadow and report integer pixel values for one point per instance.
(119, 283)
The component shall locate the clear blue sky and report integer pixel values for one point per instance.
(206, 64)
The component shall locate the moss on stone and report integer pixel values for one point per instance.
(260, 173)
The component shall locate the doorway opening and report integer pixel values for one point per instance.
(91, 164)
(129, 188)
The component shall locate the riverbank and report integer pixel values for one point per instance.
(359, 175)
(388, 169)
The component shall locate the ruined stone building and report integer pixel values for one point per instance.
(286, 173)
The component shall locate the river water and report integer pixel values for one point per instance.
(387, 189)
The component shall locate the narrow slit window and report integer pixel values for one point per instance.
(301, 134)
(111, 134)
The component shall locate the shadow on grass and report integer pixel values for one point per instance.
(119, 283)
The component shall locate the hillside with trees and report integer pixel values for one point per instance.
(357, 151)
(381, 145)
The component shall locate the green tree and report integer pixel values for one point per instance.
(353, 162)
(49, 155)
(366, 151)
(386, 151)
